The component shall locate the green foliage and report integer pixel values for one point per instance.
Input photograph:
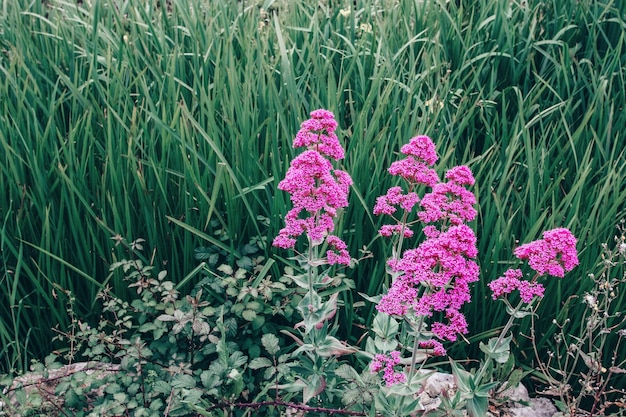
(122, 119)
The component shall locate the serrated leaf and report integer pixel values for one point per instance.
(270, 343)
(202, 253)
(258, 363)
(166, 317)
(238, 359)
(269, 373)
(183, 381)
(249, 249)
(162, 387)
(244, 263)
(345, 371)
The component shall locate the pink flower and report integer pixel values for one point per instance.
(394, 197)
(435, 345)
(435, 276)
(511, 281)
(444, 265)
(389, 230)
(337, 251)
(317, 190)
(553, 255)
(318, 133)
(421, 154)
(387, 364)
(460, 175)
(414, 171)
(422, 148)
(450, 200)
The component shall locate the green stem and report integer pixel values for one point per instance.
(420, 323)
(311, 270)
(507, 327)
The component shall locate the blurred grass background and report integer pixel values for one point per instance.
(173, 122)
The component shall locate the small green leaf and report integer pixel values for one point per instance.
(385, 326)
(517, 314)
(248, 315)
(497, 349)
(162, 387)
(270, 343)
(258, 363)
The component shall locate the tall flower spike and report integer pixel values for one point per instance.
(317, 190)
(435, 276)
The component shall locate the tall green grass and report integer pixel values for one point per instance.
(119, 117)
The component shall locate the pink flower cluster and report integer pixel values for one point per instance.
(318, 133)
(435, 277)
(421, 155)
(387, 364)
(450, 200)
(317, 190)
(434, 345)
(553, 255)
(511, 281)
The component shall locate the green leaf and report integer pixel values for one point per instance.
(270, 343)
(183, 381)
(248, 315)
(316, 384)
(346, 371)
(477, 406)
(497, 351)
(464, 380)
(515, 378)
(385, 326)
(518, 314)
(162, 387)
(258, 363)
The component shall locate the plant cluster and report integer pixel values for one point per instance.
(242, 342)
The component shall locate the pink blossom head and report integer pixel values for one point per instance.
(387, 364)
(337, 251)
(317, 192)
(414, 171)
(422, 148)
(386, 204)
(450, 200)
(415, 168)
(553, 255)
(318, 133)
(434, 345)
(460, 175)
(511, 281)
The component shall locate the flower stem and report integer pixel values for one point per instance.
(420, 323)
(505, 330)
